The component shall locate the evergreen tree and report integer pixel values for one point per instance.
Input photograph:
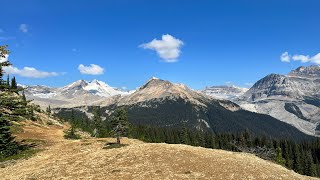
(14, 85)
(279, 158)
(8, 146)
(8, 82)
(120, 124)
(297, 159)
(308, 170)
(97, 121)
(185, 135)
(24, 99)
(48, 111)
(72, 118)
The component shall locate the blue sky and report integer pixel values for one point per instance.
(212, 42)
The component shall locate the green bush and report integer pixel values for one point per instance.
(70, 134)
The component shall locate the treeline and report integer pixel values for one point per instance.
(302, 157)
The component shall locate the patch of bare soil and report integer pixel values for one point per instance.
(86, 159)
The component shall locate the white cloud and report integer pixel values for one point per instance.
(168, 48)
(29, 72)
(93, 69)
(4, 59)
(316, 58)
(23, 28)
(285, 57)
(301, 58)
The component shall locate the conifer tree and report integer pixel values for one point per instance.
(72, 129)
(71, 133)
(297, 159)
(97, 121)
(185, 135)
(279, 158)
(14, 85)
(8, 146)
(120, 124)
(48, 111)
(8, 82)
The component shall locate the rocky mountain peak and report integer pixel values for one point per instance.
(77, 84)
(308, 71)
(156, 82)
(161, 89)
(298, 84)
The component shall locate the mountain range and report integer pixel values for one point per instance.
(289, 102)
(77, 93)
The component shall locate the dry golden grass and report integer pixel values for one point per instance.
(86, 159)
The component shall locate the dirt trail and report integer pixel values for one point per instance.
(86, 159)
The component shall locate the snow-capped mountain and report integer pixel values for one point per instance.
(80, 92)
(293, 98)
(224, 92)
(94, 87)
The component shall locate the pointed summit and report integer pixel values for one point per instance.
(95, 81)
(162, 89)
(77, 84)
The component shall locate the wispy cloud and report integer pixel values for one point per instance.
(29, 72)
(168, 48)
(92, 69)
(286, 57)
(23, 28)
